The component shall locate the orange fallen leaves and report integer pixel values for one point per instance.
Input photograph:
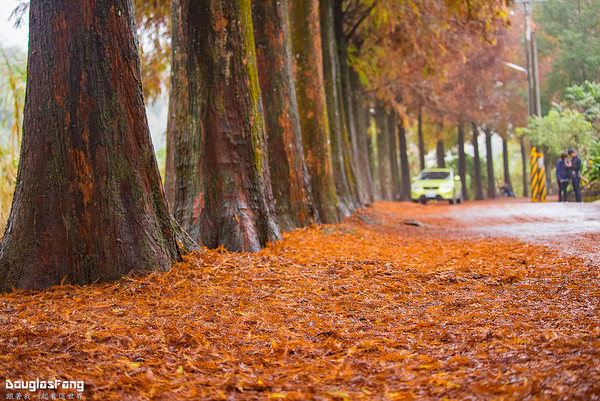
(368, 309)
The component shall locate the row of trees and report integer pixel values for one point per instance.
(568, 42)
(574, 123)
(460, 85)
(267, 125)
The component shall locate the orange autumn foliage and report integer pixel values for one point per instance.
(368, 309)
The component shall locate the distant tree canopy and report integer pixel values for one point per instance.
(586, 99)
(559, 130)
(412, 52)
(574, 123)
(569, 36)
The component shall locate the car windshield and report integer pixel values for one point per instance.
(434, 175)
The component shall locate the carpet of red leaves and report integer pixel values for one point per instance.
(368, 309)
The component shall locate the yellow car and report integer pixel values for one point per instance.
(437, 184)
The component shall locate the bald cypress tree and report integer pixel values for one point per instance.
(312, 105)
(217, 170)
(294, 204)
(88, 204)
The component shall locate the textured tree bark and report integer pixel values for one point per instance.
(421, 141)
(335, 110)
(505, 162)
(383, 155)
(373, 165)
(393, 150)
(404, 167)
(462, 161)
(294, 205)
(440, 153)
(222, 191)
(489, 157)
(524, 166)
(312, 107)
(477, 184)
(89, 202)
(363, 141)
(348, 112)
(371, 150)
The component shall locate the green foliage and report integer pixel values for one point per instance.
(13, 77)
(569, 36)
(161, 159)
(592, 171)
(558, 131)
(586, 99)
(8, 179)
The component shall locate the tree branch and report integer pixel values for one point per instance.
(360, 21)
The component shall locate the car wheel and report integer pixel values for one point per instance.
(423, 201)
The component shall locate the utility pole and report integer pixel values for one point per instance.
(534, 107)
(533, 77)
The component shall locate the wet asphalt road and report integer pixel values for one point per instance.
(573, 228)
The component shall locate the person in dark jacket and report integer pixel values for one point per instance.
(576, 174)
(562, 176)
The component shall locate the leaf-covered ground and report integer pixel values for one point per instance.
(368, 309)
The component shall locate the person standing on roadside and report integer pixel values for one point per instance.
(562, 176)
(576, 174)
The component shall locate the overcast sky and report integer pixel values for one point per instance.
(9, 36)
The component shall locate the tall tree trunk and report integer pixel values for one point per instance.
(393, 150)
(312, 106)
(337, 123)
(440, 153)
(421, 141)
(88, 204)
(371, 150)
(462, 161)
(381, 121)
(361, 115)
(404, 167)
(524, 162)
(294, 205)
(477, 184)
(489, 157)
(347, 110)
(221, 177)
(505, 161)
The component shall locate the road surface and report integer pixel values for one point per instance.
(572, 228)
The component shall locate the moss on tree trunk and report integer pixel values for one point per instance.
(89, 202)
(312, 106)
(394, 172)
(383, 155)
(360, 115)
(338, 127)
(294, 204)
(218, 161)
